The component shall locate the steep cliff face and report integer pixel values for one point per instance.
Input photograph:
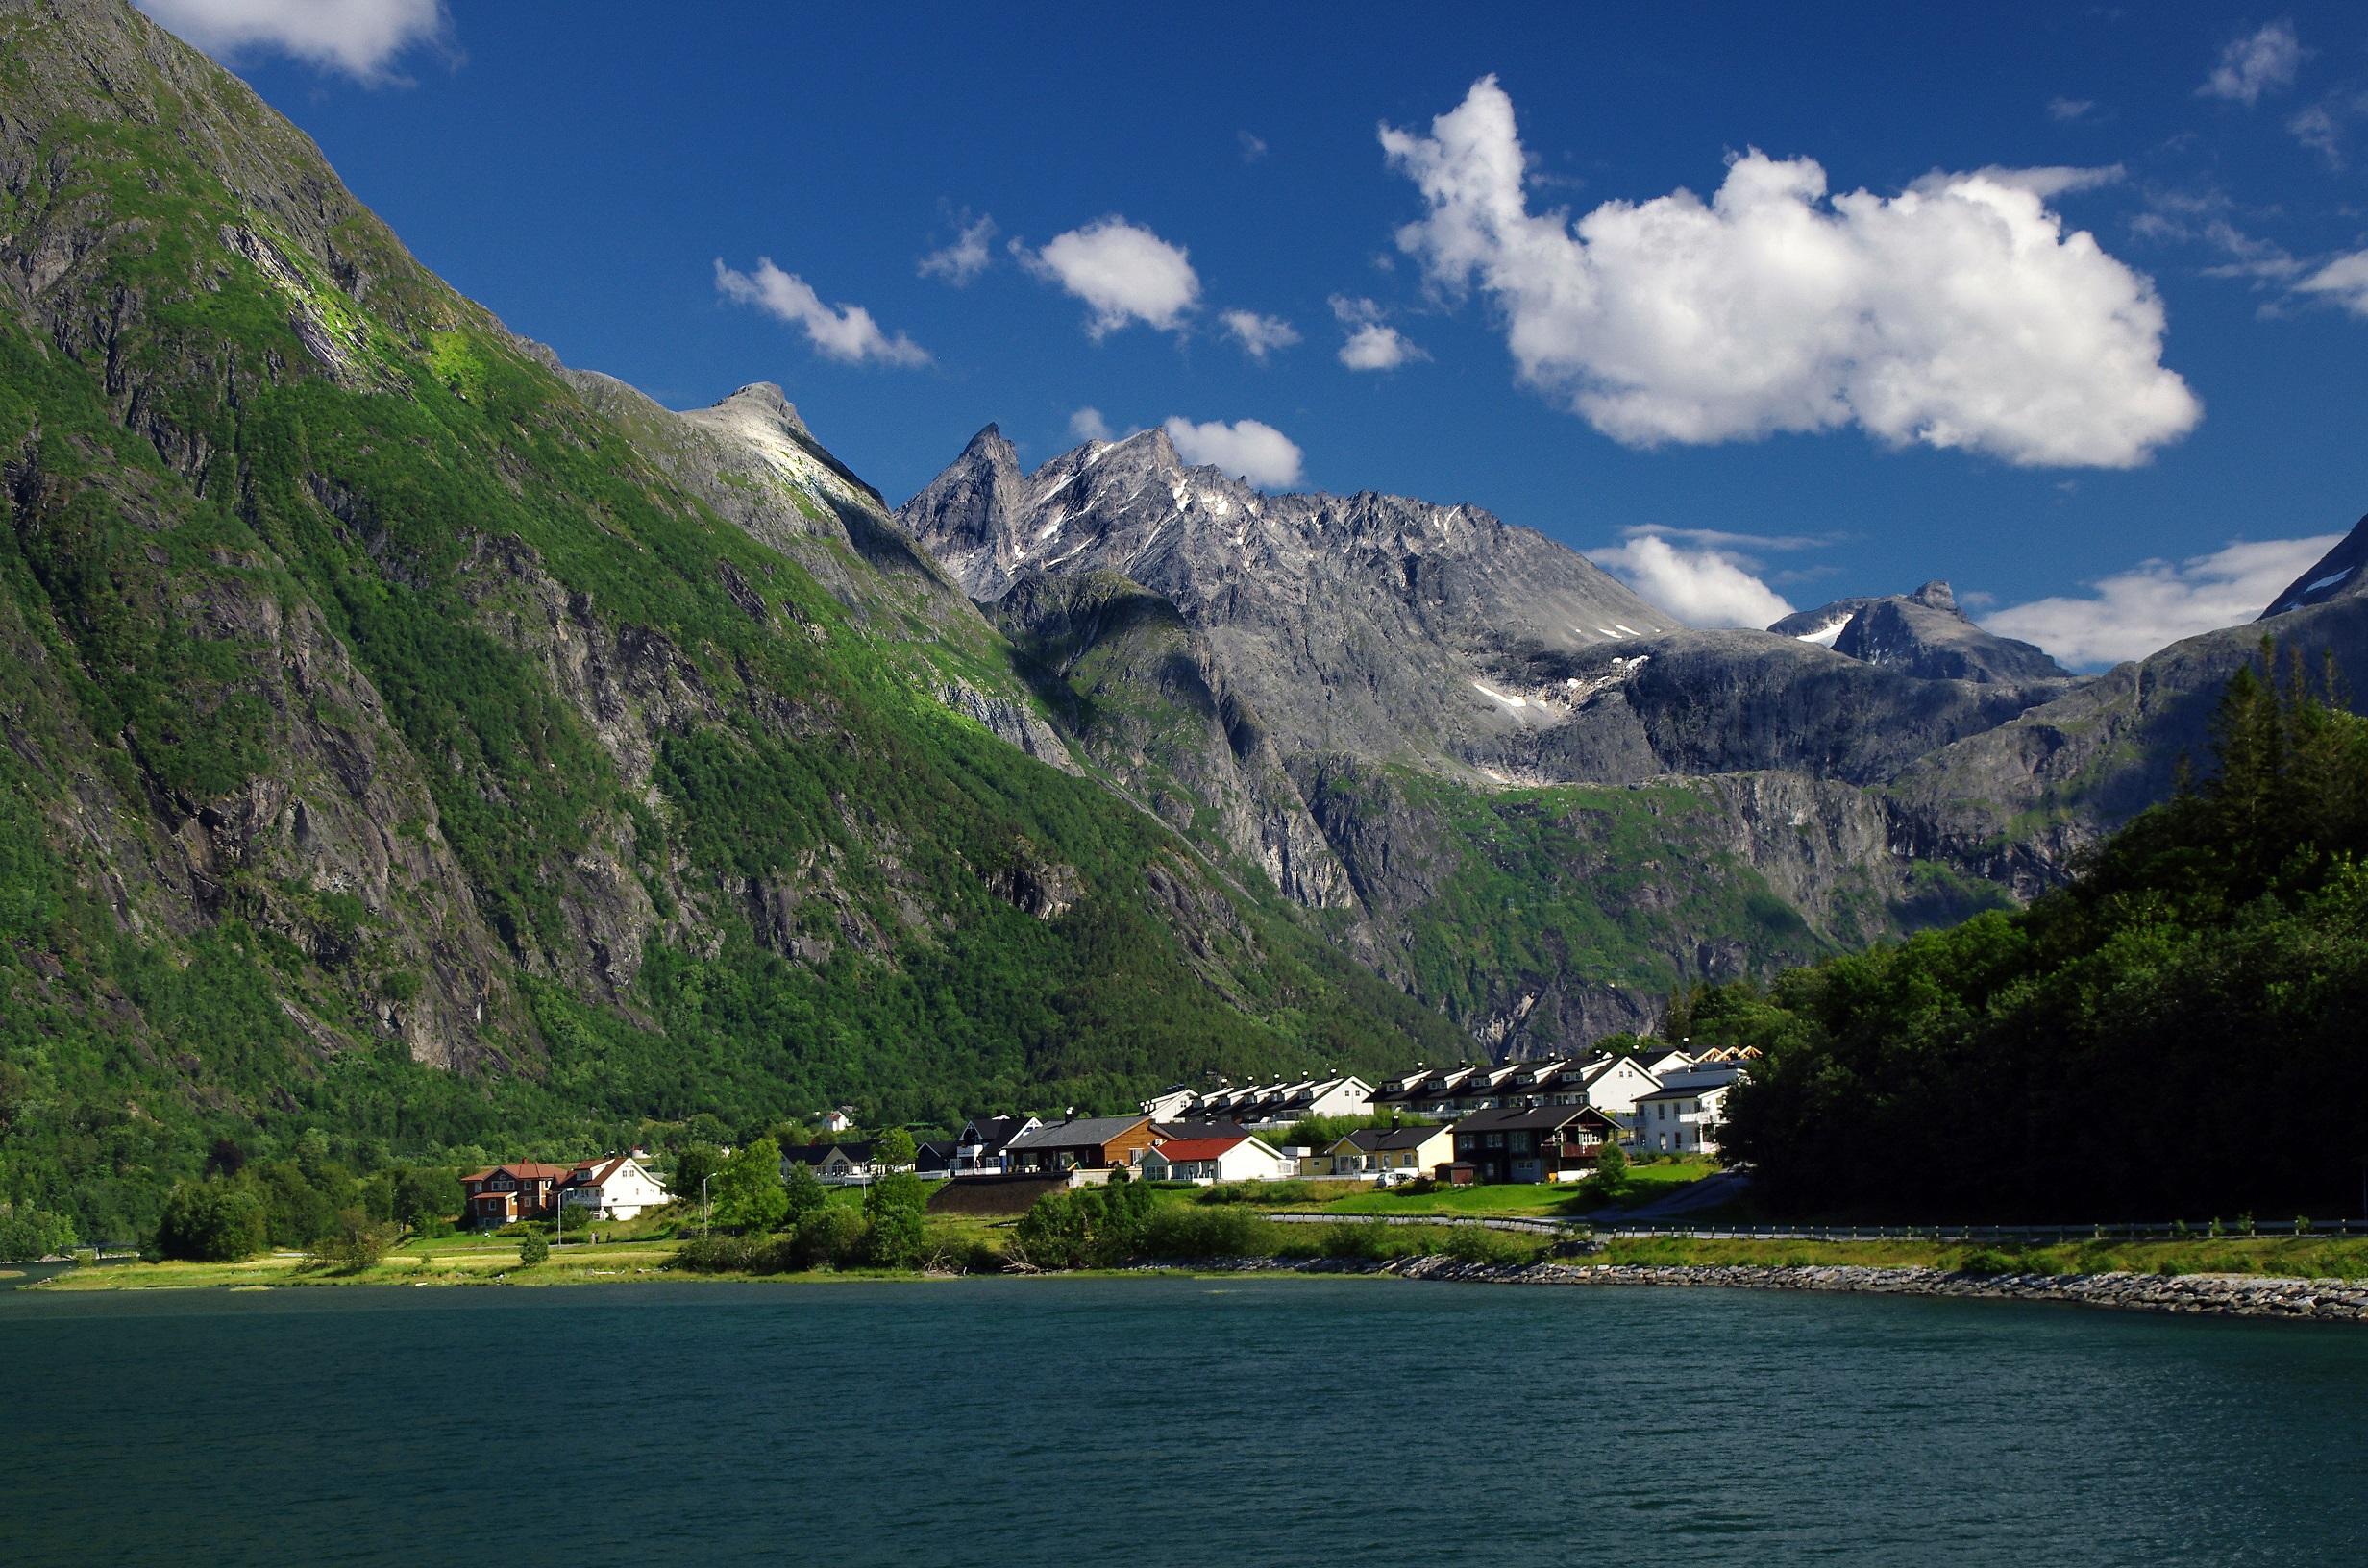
(383, 699)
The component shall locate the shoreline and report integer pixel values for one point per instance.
(2274, 1297)
(2256, 1296)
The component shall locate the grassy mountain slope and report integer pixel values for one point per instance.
(412, 738)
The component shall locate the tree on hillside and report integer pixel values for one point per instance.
(427, 1198)
(697, 1162)
(748, 1190)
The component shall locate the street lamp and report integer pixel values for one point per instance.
(704, 1207)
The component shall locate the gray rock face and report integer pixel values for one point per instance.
(2339, 574)
(1368, 624)
(1923, 635)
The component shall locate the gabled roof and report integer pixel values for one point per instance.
(1374, 1139)
(1197, 1148)
(995, 1132)
(524, 1170)
(814, 1154)
(1678, 1086)
(1199, 1127)
(1082, 1132)
(1544, 1118)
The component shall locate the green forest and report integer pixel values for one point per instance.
(2175, 1035)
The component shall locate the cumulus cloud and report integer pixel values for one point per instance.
(1088, 424)
(846, 332)
(965, 258)
(1372, 343)
(2344, 281)
(360, 37)
(1125, 272)
(1259, 453)
(1701, 587)
(2154, 603)
(1959, 313)
(1259, 334)
(2261, 62)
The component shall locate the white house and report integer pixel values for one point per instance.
(614, 1188)
(1681, 1116)
(838, 1164)
(1170, 1103)
(1209, 1160)
(1615, 1084)
(839, 1118)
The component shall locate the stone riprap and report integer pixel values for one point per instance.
(2216, 1295)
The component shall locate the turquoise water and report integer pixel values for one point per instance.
(1162, 1421)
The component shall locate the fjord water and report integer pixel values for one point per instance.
(1249, 1421)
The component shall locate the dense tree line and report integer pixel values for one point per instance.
(2176, 1034)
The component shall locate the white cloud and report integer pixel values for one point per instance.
(2260, 63)
(360, 37)
(845, 332)
(1253, 146)
(1259, 334)
(965, 258)
(1259, 453)
(1088, 424)
(1375, 346)
(1959, 313)
(1372, 345)
(1700, 587)
(2344, 281)
(1127, 273)
(2066, 109)
(2154, 603)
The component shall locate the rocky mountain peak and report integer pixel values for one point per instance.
(1935, 594)
(2342, 572)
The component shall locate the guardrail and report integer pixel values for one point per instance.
(2105, 1231)
(2116, 1231)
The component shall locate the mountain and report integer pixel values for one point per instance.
(415, 740)
(1923, 635)
(1514, 787)
(2336, 575)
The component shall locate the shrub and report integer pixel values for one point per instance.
(27, 1233)
(723, 1255)
(1478, 1244)
(1989, 1260)
(533, 1249)
(1180, 1231)
(831, 1237)
(356, 1242)
(212, 1222)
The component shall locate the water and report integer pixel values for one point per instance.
(1177, 1422)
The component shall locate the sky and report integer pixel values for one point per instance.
(1758, 306)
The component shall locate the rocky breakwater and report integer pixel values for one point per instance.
(2217, 1295)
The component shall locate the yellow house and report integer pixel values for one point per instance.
(1376, 1151)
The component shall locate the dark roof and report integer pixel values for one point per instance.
(993, 1132)
(1199, 1127)
(1086, 1132)
(1514, 1118)
(931, 1153)
(1679, 1085)
(1373, 1139)
(814, 1154)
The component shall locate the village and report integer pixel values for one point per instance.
(1522, 1122)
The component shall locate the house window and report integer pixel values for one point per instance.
(1496, 1140)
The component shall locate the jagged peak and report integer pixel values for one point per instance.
(989, 442)
(1935, 594)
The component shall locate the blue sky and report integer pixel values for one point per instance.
(2032, 383)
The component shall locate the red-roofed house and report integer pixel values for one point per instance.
(504, 1195)
(1240, 1158)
